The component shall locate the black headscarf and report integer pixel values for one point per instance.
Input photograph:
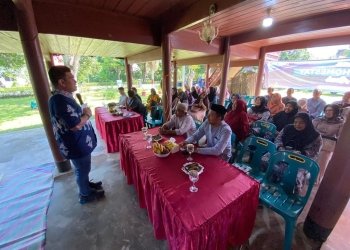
(212, 94)
(299, 139)
(262, 107)
(281, 119)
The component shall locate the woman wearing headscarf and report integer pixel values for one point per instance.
(329, 126)
(286, 116)
(237, 119)
(174, 99)
(153, 99)
(275, 105)
(300, 136)
(259, 111)
(199, 108)
(213, 99)
(233, 98)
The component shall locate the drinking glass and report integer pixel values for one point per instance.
(144, 131)
(190, 150)
(149, 140)
(194, 176)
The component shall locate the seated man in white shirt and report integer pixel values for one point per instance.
(218, 134)
(123, 99)
(180, 123)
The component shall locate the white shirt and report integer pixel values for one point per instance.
(123, 100)
(182, 125)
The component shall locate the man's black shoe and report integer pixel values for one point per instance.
(96, 185)
(94, 195)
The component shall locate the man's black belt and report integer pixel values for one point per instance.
(329, 138)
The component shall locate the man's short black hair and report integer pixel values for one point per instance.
(57, 73)
(131, 93)
(121, 88)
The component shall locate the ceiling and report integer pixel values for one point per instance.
(125, 28)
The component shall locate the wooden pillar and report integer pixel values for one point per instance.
(207, 76)
(259, 79)
(333, 193)
(225, 69)
(128, 73)
(32, 52)
(175, 74)
(166, 86)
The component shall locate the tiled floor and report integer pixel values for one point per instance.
(117, 222)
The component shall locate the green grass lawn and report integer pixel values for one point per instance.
(12, 108)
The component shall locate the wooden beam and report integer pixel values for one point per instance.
(78, 20)
(197, 12)
(245, 63)
(189, 40)
(245, 51)
(314, 23)
(327, 41)
(151, 55)
(200, 60)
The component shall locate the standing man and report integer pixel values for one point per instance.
(269, 94)
(73, 131)
(315, 105)
(289, 96)
(218, 134)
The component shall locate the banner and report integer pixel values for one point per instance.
(333, 75)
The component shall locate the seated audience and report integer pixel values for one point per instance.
(286, 116)
(259, 111)
(135, 104)
(329, 126)
(180, 123)
(123, 98)
(174, 99)
(182, 96)
(190, 98)
(300, 136)
(153, 99)
(302, 103)
(199, 109)
(194, 93)
(136, 95)
(217, 132)
(233, 98)
(344, 105)
(237, 119)
(212, 96)
(275, 104)
(289, 96)
(269, 94)
(315, 105)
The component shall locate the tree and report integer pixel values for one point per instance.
(11, 65)
(295, 55)
(89, 66)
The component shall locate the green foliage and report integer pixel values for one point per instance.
(295, 55)
(343, 53)
(16, 91)
(110, 94)
(11, 64)
(89, 66)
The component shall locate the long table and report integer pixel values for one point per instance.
(111, 127)
(221, 213)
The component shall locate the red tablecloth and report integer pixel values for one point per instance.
(110, 127)
(222, 212)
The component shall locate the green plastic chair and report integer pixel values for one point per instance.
(151, 122)
(264, 129)
(252, 154)
(287, 186)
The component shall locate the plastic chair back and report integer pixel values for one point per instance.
(264, 129)
(287, 186)
(253, 154)
(157, 120)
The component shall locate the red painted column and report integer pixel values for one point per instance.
(258, 85)
(166, 86)
(333, 193)
(128, 73)
(225, 69)
(175, 74)
(35, 64)
(207, 76)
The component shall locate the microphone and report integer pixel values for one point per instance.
(79, 98)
